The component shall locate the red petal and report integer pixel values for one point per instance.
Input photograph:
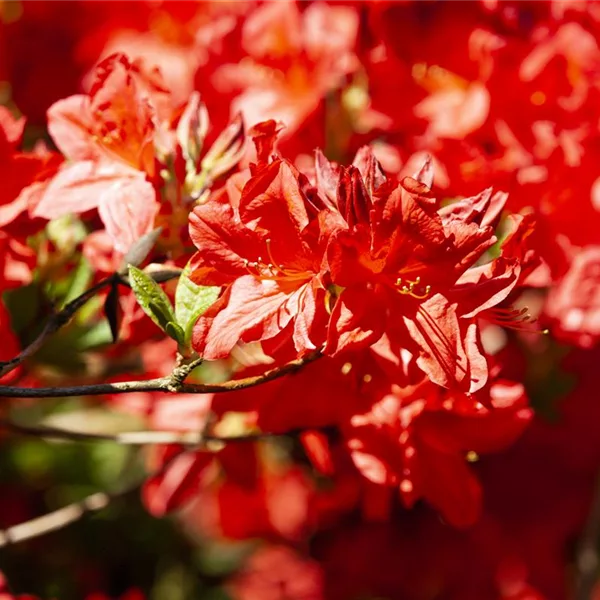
(436, 330)
(71, 127)
(356, 322)
(264, 135)
(273, 201)
(353, 202)
(316, 446)
(254, 310)
(484, 287)
(224, 244)
(128, 212)
(81, 186)
(450, 486)
(177, 485)
(370, 170)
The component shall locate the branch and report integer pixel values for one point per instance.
(73, 512)
(61, 318)
(59, 518)
(133, 438)
(171, 383)
(56, 321)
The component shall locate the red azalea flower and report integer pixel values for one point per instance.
(275, 572)
(109, 138)
(266, 245)
(421, 437)
(403, 266)
(24, 177)
(292, 59)
(573, 305)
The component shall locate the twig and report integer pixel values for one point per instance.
(73, 512)
(587, 559)
(132, 438)
(56, 321)
(62, 317)
(171, 383)
(59, 518)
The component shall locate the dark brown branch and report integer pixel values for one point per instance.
(62, 317)
(171, 383)
(56, 321)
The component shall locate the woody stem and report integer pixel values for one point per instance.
(169, 383)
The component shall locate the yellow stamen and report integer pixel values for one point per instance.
(472, 456)
(407, 287)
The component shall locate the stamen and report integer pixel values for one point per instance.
(409, 290)
(272, 270)
(249, 266)
(515, 319)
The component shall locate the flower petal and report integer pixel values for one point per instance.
(251, 310)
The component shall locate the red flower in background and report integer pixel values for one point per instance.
(110, 138)
(419, 439)
(25, 175)
(573, 306)
(294, 56)
(279, 572)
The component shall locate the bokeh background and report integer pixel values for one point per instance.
(499, 93)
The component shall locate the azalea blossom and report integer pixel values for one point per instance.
(266, 244)
(293, 59)
(405, 266)
(420, 439)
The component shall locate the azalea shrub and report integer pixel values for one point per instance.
(300, 300)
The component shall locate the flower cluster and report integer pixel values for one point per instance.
(365, 269)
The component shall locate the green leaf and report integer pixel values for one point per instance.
(80, 279)
(153, 301)
(97, 335)
(175, 331)
(191, 301)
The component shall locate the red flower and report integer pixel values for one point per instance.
(420, 438)
(574, 304)
(403, 266)
(109, 137)
(24, 176)
(276, 572)
(266, 246)
(292, 59)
